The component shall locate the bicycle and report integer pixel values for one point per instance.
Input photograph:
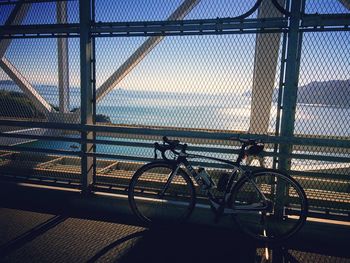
(266, 203)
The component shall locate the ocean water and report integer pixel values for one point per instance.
(223, 111)
(219, 111)
(310, 120)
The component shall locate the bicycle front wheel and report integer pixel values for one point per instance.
(158, 193)
(285, 209)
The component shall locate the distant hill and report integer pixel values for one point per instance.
(17, 105)
(334, 93)
(330, 93)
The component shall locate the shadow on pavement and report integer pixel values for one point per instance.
(182, 244)
(30, 235)
(69, 234)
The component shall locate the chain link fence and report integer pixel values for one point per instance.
(201, 71)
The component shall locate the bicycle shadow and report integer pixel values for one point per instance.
(189, 243)
(181, 244)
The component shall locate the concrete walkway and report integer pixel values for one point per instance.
(31, 230)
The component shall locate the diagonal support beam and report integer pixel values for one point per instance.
(39, 102)
(16, 17)
(142, 51)
(345, 3)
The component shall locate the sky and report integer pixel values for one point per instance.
(207, 64)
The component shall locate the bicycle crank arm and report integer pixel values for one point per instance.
(230, 211)
(252, 208)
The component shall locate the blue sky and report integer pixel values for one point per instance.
(191, 63)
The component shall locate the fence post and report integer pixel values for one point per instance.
(86, 113)
(289, 97)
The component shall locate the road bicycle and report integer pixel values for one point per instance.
(267, 204)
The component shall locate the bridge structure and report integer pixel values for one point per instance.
(282, 57)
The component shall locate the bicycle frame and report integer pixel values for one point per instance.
(241, 193)
(219, 205)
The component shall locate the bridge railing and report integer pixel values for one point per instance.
(86, 87)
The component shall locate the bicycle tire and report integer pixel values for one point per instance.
(288, 211)
(145, 186)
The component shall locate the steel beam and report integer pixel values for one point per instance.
(199, 26)
(63, 63)
(216, 136)
(149, 28)
(39, 102)
(142, 51)
(44, 30)
(345, 3)
(289, 99)
(265, 67)
(16, 17)
(86, 112)
(315, 21)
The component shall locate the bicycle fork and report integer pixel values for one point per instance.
(168, 182)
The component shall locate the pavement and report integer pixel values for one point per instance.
(35, 227)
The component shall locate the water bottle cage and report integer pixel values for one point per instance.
(200, 181)
(222, 183)
(203, 183)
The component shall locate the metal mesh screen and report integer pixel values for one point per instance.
(42, 12)
(324, 85)
(191, 82)
(14, 103)
(41, 160)
(158, 10)
(205, 73)
(40, 81)
(323, 111)
(37, 75)
(326, 7)
(38, 66)
(324, 176)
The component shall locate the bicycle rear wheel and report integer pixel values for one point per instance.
(154, 198)
(287, 205)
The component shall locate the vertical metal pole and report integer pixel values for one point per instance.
(279, 100)
(86, 94)
(93, 61)
(289, 98)
(62, 52)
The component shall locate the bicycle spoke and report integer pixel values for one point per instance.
(159, 194)
(274, 222)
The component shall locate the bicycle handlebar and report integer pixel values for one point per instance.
(169, 145)
(245, 142)
(249, 147)
(172, 143)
